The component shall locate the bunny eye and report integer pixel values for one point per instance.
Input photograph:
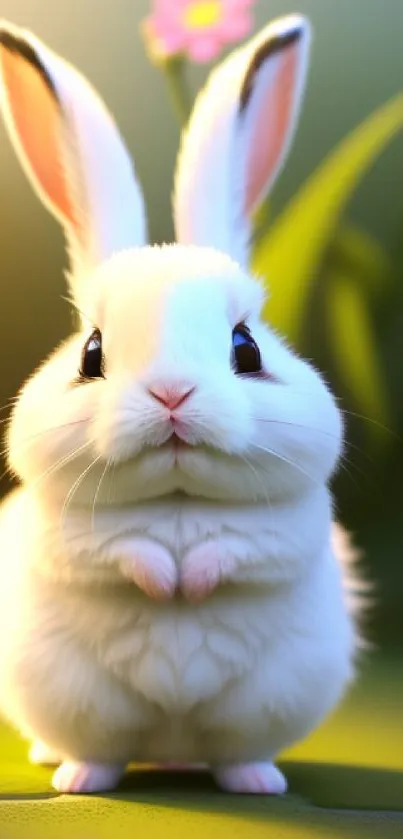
(92, 358)
(245, 351)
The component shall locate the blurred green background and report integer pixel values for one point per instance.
(357, 66)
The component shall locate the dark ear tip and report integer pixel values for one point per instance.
(14, 43)
(278, 41)
(290, 36)
(293, 27)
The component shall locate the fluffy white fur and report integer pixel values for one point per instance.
(163, 600)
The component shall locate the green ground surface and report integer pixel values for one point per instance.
(346, 780)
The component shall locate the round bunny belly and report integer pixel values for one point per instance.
(274, 669)
(220, 682)
(103, 673)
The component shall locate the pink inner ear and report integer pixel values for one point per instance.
(35, 115)
(269, 131)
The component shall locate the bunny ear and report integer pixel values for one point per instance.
(70, 148)
(238, 137)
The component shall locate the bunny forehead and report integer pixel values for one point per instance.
(184, 283)
(235, 144)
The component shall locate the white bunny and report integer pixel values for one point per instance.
(169, 588)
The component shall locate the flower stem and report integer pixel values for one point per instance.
(173, 69)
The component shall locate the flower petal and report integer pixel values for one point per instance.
(172, 36)
(168, 8)
(173, 40)
(166, 31)
(234, 7)
(235, 27)
(203, 49)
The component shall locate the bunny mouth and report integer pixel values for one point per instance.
(178, 442)
(178, 445)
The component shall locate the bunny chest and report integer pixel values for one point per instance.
(177, 525)
(174, 654)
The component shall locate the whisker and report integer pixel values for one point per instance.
(344, 459)
(6, 408)
(287, 460)
(340, 400)
(296, 425)
(267, 498)
(7, 473)
(27, 440)
(73, 489)
(63, 461)
(352, 478)
(113, 467)
(9, 402)
(59, 465)
(300, 468)
(373, 422)
(94, 501)
(315, 430)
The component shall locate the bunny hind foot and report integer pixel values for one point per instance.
(72, 777)
(251, 778)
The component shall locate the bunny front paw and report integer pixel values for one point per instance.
(204, 568)
(151, 567)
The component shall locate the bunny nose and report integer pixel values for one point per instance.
(173, 396)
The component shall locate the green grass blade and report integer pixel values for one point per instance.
(290, 252)
(355, 252)
(354, 356)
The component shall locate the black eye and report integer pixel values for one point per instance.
(245, 351)
(92, 359)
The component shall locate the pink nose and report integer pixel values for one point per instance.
(171, 396)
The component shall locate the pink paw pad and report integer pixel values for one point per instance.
(204, 568)
(86, 777)
(153, 570)
(251, 779)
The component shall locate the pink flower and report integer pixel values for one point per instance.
(199, 28)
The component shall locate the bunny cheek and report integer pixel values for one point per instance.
(297, 433)
(50, 429)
